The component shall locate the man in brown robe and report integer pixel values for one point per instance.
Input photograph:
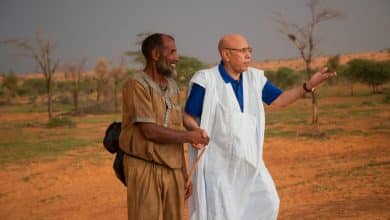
(152, 135)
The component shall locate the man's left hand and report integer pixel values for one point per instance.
(321, 76)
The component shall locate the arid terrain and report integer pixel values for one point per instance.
(293, 63)
(339, 169)
(298, 64)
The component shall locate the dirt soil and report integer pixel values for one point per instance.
(337, 177)
(341, 178)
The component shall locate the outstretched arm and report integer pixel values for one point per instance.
(290, 96)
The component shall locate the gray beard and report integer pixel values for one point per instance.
(165, 69)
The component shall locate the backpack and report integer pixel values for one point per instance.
(111, 137)
(111, 144)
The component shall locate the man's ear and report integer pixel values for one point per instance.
(225, 55)
(155, 55)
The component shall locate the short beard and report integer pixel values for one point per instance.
(165, 69)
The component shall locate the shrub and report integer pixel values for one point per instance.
(369, 72)
(10, 84)
(64, 99)
(88, 85)
(34, 86)
(186, 67)
(284, 77)
(63, 86)
(60, 122)
(1, 90)
(386, 99)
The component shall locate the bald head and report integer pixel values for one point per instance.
(232, 41)
(235, 54)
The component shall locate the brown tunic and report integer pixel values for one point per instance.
(155, 186)
(144, 101)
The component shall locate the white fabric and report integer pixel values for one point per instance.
(231, 181)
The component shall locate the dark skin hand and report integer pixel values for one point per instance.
(163, 135)
(197, 137)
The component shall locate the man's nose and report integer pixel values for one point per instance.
(176, 58)
(248, 55)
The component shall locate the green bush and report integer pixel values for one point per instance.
(284, 77)
(64, 99)
(88, 85)
(1, 90)
(34, 86)
(10, 84)
(371, 73)
(61, 122)
(386, 99)
(186, 67)
(63, 86)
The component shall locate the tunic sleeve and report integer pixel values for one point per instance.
(140, 102)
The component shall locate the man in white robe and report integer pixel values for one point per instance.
(231, 180)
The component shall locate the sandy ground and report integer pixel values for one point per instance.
(340, 178)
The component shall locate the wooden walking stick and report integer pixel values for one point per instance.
(194, 166)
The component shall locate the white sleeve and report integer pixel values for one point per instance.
(259, 77)
(199, 78)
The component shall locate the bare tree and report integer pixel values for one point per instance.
(117, 73)
(304, 40)
(42, 53)
(102, 78)
(74, 71)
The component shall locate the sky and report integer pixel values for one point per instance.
(99, 28)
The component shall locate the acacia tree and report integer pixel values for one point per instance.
(377, 75)
(284, 77)
(102, 78)
(343, 72)
(74, 72)
(302, 37)
(42, 53)
(370, 72)
(186, 67)
(10, 83)
(117, 73)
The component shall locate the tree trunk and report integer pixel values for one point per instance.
(98, 92)
(315, 107)
(76, 100)
(115, 95)
(352, 89)
(49, 99)
(375, 89)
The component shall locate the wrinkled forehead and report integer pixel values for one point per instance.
(168, 42)
(235, 41)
